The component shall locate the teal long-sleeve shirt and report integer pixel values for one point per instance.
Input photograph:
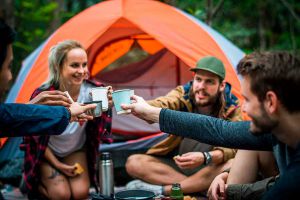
(213, 131)
(29, 120)
(219, 132)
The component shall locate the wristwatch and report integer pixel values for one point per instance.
(207, 158)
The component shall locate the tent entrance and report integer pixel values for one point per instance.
(139, 62)
(124, 51)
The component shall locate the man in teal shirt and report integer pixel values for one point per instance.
(270, 86)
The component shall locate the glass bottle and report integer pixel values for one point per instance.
(176, 192)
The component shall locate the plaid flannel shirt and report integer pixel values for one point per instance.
(99, 130)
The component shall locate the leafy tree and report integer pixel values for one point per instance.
(265, 25)
(250, 24)
(37, 20)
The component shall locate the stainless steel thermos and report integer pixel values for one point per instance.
(106, 174)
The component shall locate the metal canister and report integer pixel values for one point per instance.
(106, 174)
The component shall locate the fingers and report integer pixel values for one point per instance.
(89, 117)
(183, 158)
(212, 192)
(179, 165)
(78, 112)
(71, 173)
(188, 153)
(181, 162)
(52, 92)
(221, 189)
(186, 162)
(74, 170)
(136, 98)
(57, 103)
(84, 117)
(54, 97)
(89, 107)
(184, 165)
(68, 170)
(109, 89)
(69, 96)
(109, 97)
(217, 189)
(127, 106)
(209, 191)
(109, 92)
(57, 97)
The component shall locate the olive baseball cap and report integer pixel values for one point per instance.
(211, 64)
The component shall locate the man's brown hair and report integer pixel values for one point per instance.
(274, 71)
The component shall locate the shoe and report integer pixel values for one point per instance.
(141, 185)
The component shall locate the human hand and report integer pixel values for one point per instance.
(68, 170)
(54, 98)
(189, 160)
(141, 109)
(78, 112)
(109, 96)
(217, 189)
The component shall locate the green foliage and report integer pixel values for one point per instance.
(32, 19)
(249, 24)
(195, 8)
(239, 21)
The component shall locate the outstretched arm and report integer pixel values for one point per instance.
(212, 130)
(28, 120)
(203, 128)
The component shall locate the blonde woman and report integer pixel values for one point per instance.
(50, 161)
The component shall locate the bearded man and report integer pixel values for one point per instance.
(182, 160)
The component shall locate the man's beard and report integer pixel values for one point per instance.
(211, 100)
(262, 124)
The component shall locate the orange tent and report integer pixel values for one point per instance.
(141, 44)
(108, 30)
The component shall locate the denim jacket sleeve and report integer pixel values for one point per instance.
(29, 120)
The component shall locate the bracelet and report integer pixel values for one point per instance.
(204, 161)
(208, 158)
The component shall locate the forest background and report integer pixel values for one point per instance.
(249, 24)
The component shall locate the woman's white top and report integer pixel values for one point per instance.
(73, 138)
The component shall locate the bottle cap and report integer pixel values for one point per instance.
(105, 156)
(177, 185)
